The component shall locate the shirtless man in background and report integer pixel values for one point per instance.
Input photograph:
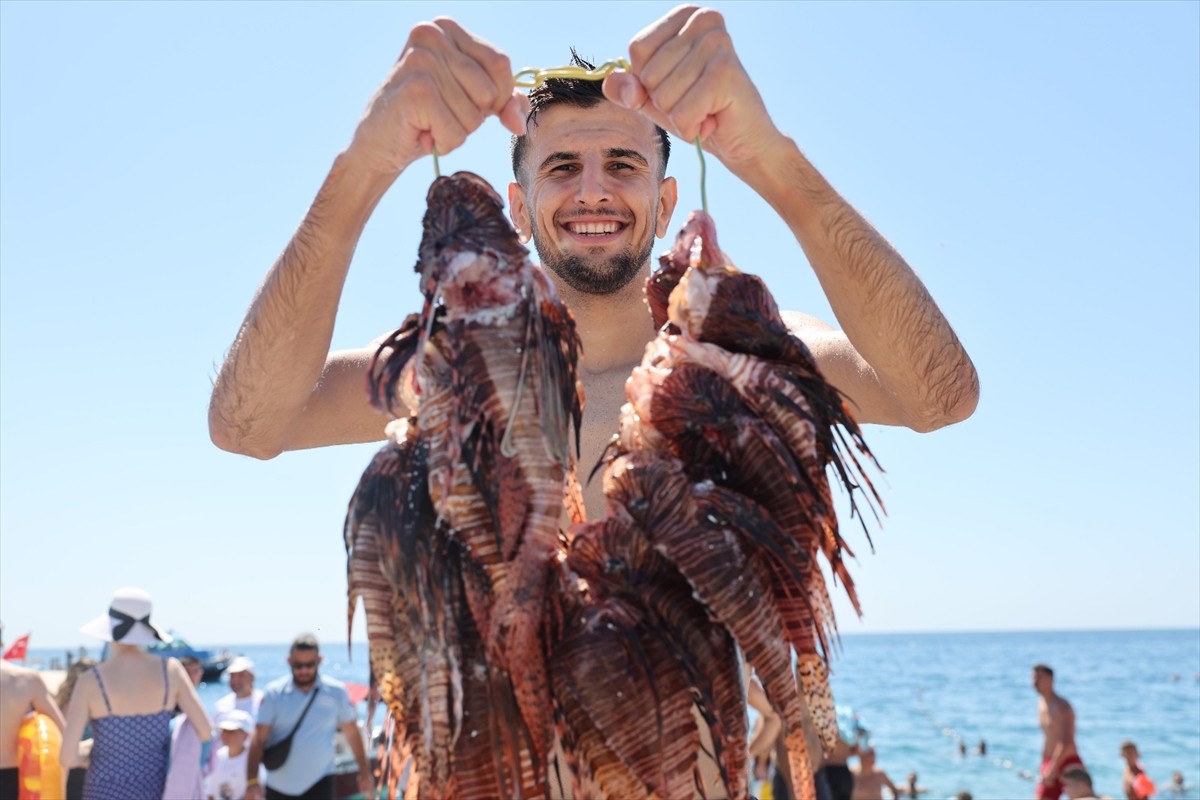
(869, 780)
(21, 691)
(1057, 719)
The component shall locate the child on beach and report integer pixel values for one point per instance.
(227, 781)
(1136, 782)
(1077, 783)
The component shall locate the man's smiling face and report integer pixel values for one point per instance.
(590, 195)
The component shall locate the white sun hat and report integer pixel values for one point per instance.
(127, 620)
(237, 720)
(239, 664)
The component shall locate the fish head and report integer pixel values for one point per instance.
(468, 241)
(710, 299)
(695, 242)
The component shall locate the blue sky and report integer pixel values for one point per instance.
(1037, 163)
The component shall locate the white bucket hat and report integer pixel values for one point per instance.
(239, 664)
(237, 720)
(127, 620)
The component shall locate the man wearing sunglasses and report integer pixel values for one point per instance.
(312, 709)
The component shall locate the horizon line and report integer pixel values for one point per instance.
(926, 632)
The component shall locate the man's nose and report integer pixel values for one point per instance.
(593, 187)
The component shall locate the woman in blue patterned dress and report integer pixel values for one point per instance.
(129, 701)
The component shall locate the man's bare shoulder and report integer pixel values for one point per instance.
(21, 682)
(827, 344)
(1060, 705)
(800, 323)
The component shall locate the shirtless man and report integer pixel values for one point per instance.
(21, 691)
(1057, 719)
(590, 192)
(869, 780)
(897, 358)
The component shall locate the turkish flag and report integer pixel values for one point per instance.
(357, 692)
(17, 651)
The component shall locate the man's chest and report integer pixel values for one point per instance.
(604, 396)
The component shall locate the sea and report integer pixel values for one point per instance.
(922, 695)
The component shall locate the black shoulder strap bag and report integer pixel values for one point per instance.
(274, 756)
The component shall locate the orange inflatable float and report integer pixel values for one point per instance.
(38, 743)
(1143, 786)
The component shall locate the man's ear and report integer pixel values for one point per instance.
(668, 196)
(518, 212)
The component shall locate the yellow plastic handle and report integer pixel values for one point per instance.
(532, 77)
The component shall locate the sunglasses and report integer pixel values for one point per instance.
(304, 665)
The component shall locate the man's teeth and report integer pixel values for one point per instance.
(593, 227)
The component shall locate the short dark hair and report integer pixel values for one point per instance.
(580, 94)
(1077, 773)
(306, 641)
(1042, 668)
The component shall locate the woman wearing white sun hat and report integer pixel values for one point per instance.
(129, 700)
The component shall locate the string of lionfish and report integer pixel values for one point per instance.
(519, 656)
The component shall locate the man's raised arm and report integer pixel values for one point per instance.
(280, 388)
(896, 358)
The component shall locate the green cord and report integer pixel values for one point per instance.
(703, 190)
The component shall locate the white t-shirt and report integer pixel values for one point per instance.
(227, 781)
(231, 701)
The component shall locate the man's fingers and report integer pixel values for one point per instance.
(625, 90)
(658, 65)
(464, 85)
(515, 112)
(681, 65)
(436, 104)
(651, 38)
(679, 72)
(424, 66)
(695, 113)
(492, 85)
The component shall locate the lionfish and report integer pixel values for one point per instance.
(493, 633)
(454, 528)
(717, 480)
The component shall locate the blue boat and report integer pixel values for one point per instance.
(214, 663)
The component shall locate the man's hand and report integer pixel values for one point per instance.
(446, 82)
(255, 792)
(687, 78)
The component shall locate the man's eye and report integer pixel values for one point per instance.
(563, 168)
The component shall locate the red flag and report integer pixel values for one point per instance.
(357, 692)
(17, 651)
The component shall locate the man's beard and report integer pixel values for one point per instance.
(298, 684)
(623, 268)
